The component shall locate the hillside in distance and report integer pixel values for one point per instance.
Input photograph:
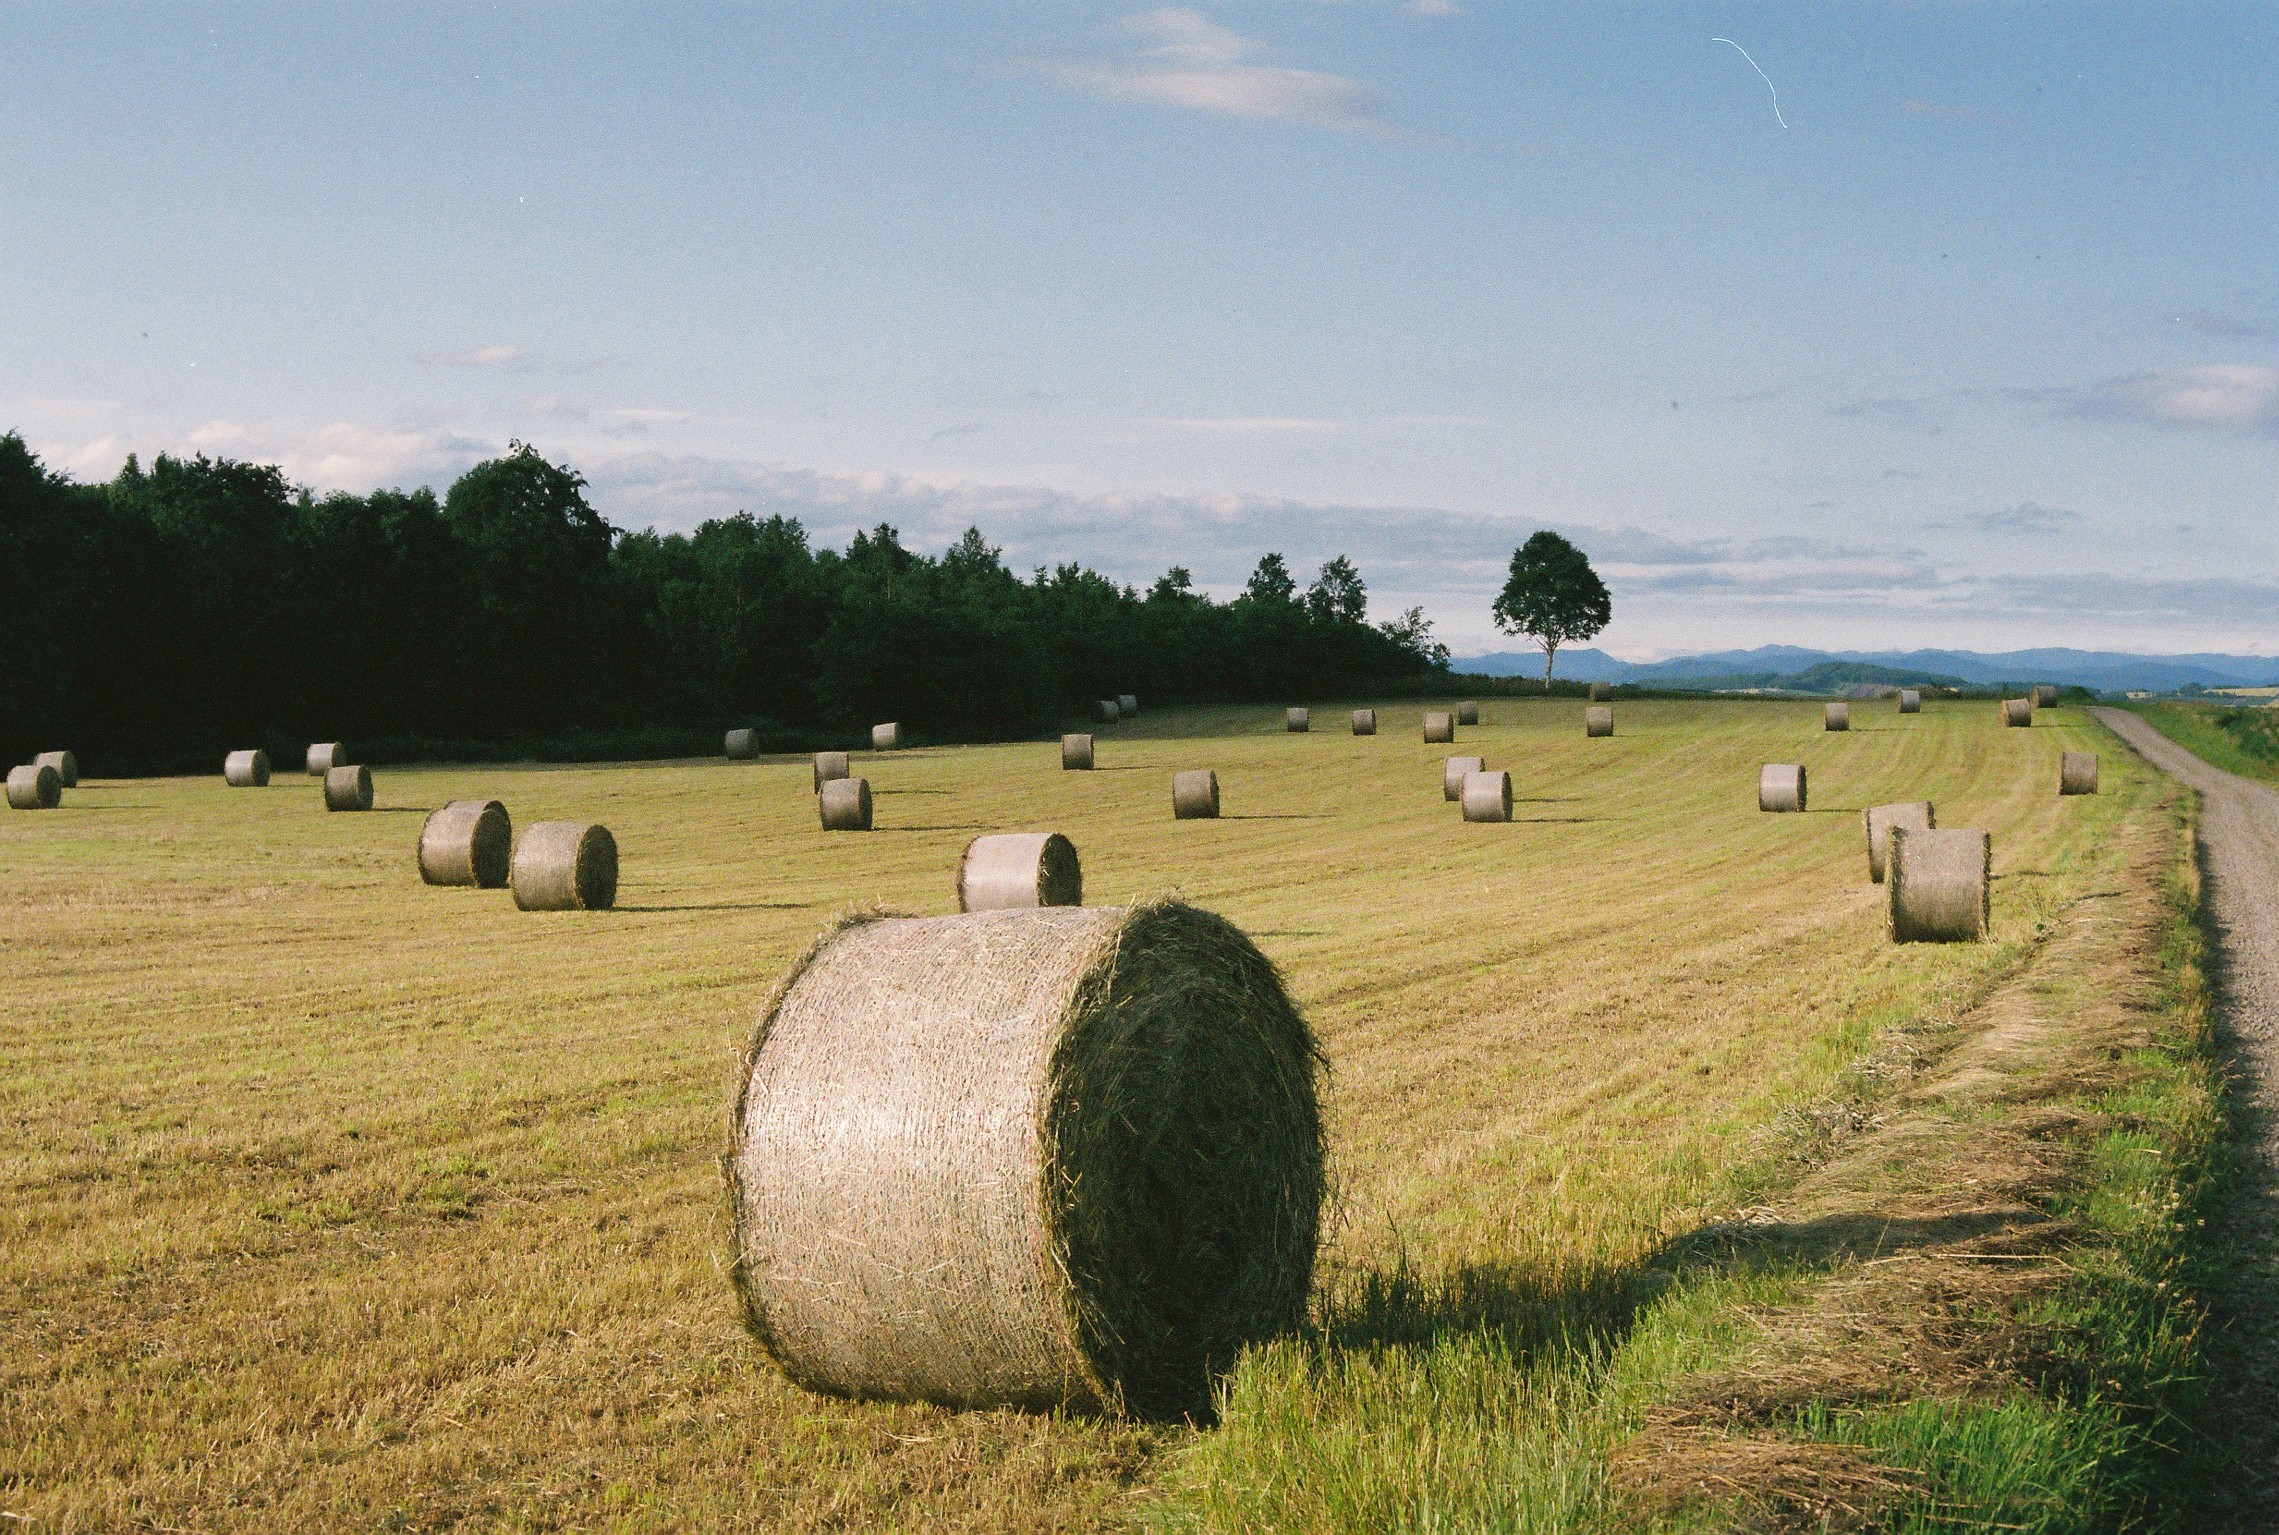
(1792, 666)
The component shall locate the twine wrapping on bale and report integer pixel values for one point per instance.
(324, 756)
(1007, 870)
(1076, 754)
(2018, 711)
(1601, 692)
(830, 765)
(1467, 713)
(1915, 815)
(2045, 696)
(1452, 775)
(1027, 1158)
(1910, 701)
(1108, 711)
(246, 770)
(1439, 725)
(565, 866)
(1940, 885)
(1297, 721)
(66, 766)
(1364, 722)
(467, 842)
(845, 804)
(1487, 796)
(741, 745)
(1835, 716)
(348, 788)
(1195, 795)
(2077, 773)
(1126, 705)
(1780, 786)
(886, 738)
(1598, 720)
(34, 786)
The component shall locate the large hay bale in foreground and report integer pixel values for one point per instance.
(348, 788)
(1835, 716)
(1076, 754)
(65, 763)
(1598, 720)
(246, 770)
(1468, 713)
(2018, 712)
(565, 866)
(1007, 870)
(1108, 711)
(1781, 786)
(1910, 701)
(741, 745)
(1195, 795)
(1027, 1158)
(1127, 705)
(323, 757)
(886, 738)
(1364, 722)
(34, 786)
(1452, 775)
(1297, 721)
(2045, 696)
(830, 765)
(1487, 796)
(1915, 815)
(1941, 884)
(1601, 692)
(2077, 773)
(1439, 725)
(844, 804)
(467, 842)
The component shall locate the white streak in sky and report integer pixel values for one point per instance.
(1768, 79)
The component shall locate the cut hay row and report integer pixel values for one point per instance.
(1009, 870)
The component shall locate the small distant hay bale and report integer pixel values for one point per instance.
(324, 756)
(1126, 705)
(467, 842)
(565, 866)
(1781, 787)
(1941, 884)
(1487, 796)
(886, 738)
(1038, 1159)
(246, 770)
(1297, 721)
(1364, 722)
(742, 745)
(2045, 696)
(1076, 753)
(34, 786)
(1108, 710)
(1915, 815)
(2077, 773)
(66, 766)
(1468, 713)
(348, 788)
(1910, 701)
(1601, 692)
(1835, 716)
(1452, 774)
(844, 804)
(2018, 712)
(1007, 870)
(830, 765)
(1598, 720)
(1439, 725)
(1195, 795)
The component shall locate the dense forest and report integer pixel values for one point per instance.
(195, 605)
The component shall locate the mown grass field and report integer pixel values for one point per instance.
(330, 1200)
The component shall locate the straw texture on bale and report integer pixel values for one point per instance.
(246, 770)
(1027, 1158)
(324, 756)
(1915, 815)
(467, 842)
(1601, 692)
(1364, 722)
(66, 766)
(1910, 701)
(1009, 870)
(565, 866)
(348, 788)
(1297, 721)
(844, 804)
(1467, 713)
(1076, 753)
(2077, 773)
(1835, 716)
(830, 765)
(2045, 696)
(741, 745)
(2018, 711)
(1598, 720)
(1195, 795)
(886, 738)
(34, 786)
(1940, 885)
(1487, 796)
(1780, 786)
(1108, 711)
(1126, 705)
(1452, 775)
(1439, 725)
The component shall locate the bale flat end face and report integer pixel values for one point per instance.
(844, 804)
(565, 866)
(246, 770)
(1487, 796)
(1910, 701)
(1598, 720)
(886, 738)
(34, 786)
(1915, 815)
(1467, 714)
(741, 745)
(66, 766)
(1941, 885)
(2018, 713)
(1781, 787)
(1076, 754)
(348, 788)
(1439, 725)
(1195, 795)
(1836, 717)
(467, 842)
(2077, 773)
(1297, 721)
(1454, 771)
(1364, 722)
(1007, 871)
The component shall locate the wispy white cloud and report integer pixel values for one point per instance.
(2239, 397)
(478, 357)
(1192, 61)
(2025, 517)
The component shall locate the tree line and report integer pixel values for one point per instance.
(153, 620)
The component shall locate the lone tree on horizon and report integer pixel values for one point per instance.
(1553, 596)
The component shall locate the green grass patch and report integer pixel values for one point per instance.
(2239, 740)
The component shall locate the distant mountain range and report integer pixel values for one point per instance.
(1792, 667)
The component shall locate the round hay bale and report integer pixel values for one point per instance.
(1910, 701)
(830, 765)
(1487, 796)
(1915, 815)
(66, 766)
(1126, 705)
(1452, 775)
(1601, 692)
(2018, 712)
(1027, 1158)
(1195, 795)
(246, 770)
(2045, 696)
(324, 756)
(741, 745)
(1598, 720)
(844, 804)
(1940, 885)
(34, 786)
(1439, 725)
(467, 842)
(1020, 868)
(1108, 711)
(565, 866)
(1076, 754)
(886, 738)
(1835, 716)
(2077, 773)
(1780, 786)
(1467, 713)
(1297, 721)
(1364, 722)
(348, 788)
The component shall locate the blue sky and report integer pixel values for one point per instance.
(1981, 348)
